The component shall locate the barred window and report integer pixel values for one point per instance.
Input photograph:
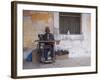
(69, 23)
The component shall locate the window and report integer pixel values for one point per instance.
(69, 23)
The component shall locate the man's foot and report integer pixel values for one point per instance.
(48, 61)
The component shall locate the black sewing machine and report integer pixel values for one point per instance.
(45, 51)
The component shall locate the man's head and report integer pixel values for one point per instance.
(47, 29)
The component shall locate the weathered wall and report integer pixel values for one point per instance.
(35, 23)
(74, 43)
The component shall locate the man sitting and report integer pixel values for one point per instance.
(49, 46)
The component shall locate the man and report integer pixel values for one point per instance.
(49, 46)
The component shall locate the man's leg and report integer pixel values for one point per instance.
(52, 52)
(46, 53)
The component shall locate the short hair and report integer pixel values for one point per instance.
(47, 29)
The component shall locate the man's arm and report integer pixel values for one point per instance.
(52, 39)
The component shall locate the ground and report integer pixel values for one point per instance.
(68, 62)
